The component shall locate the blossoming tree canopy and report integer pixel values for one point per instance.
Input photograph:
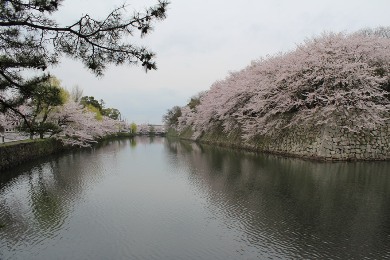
(334, 78)
(80, 126)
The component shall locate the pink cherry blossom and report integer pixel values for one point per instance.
(335, 79)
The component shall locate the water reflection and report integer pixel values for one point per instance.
(37, 198)
(293, 207)
(155, 198)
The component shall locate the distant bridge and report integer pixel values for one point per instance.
(149, 129)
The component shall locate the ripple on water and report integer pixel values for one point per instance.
(154, 201)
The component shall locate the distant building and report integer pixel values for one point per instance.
(12, 127)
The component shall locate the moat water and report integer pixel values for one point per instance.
(154, 198)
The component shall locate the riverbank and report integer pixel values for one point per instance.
(16, 153)
(306, 142)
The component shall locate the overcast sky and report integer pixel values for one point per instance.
(202, 40)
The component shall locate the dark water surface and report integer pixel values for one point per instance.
(159, 199)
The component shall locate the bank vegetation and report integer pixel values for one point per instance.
(335, 81)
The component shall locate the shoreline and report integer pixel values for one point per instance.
(252, 148)
(17, 153)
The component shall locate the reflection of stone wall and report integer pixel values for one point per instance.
(11, 155)
(309, 141)
(339, 208)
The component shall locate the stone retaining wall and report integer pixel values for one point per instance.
(15, 154)
(330, 143)
(339, 144)
(12, 154)
(323, 143)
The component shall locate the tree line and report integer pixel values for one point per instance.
(336, 79)
(31, 41)
(56, 112)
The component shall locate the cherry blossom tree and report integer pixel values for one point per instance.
(10, 122)
(79, 127)
(336, 79)
(143, 128)
(70, 122)
(42, 100)
(6, 121)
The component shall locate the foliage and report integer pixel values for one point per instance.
(91, 101)
(51, 111)
(112, 113)
(95, 110)
(30, 40)
(193, 103)
(133, 128)
(143, 128)
(44, 98)
(152, 130)
(179, 117)
(80, 127)
(336, 79)
(171, 117)
(8, 120)
(98, 107)
(195, 100)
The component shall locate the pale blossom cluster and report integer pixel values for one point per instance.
(143, 128)
(80, 126)
(335, 79)
(7, 121)
(146, 129)
(186, 119)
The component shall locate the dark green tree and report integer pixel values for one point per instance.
(43, 99)
(171, 118)
(90, 100)
(31, 40)
(195, 100)
(112, 113)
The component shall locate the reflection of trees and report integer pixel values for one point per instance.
(149, 139)
(31, 205)
(292, 205)
(45, 200)
(133, 143)
(36, 199)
